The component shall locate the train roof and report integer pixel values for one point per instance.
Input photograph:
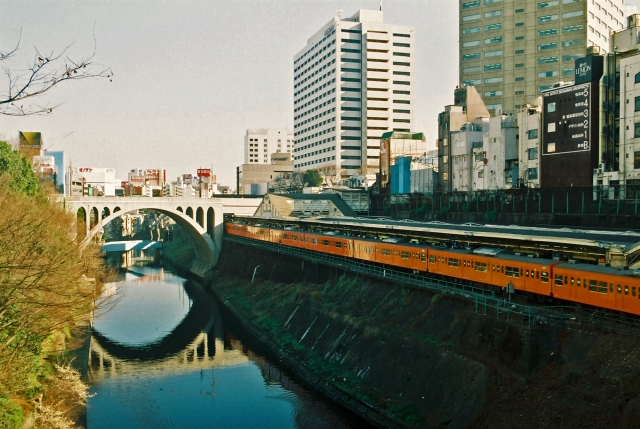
(622, 240)
(600, 269)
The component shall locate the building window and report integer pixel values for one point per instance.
(493, 40)
(471, 43)
(551, 147)
(519, 51)
(545, 46)
(520, 65)
(547, 18)
(532, 134)
(571, 57)
(573, 14)
(471, 17)
(445, 159)
(636, 130)
(551, 107)
(548, 32)
(636, 160)
(532, 173)
(470, 4)
(637, 79)
(474, 56)
(519, 92)
(532, 153)
(519, 37)
(492, 27)
(493, 80)
(546, 4)
(492, 54)
(568, 43)
(497, 66)
(547, 60)
(445, 176)
(480, 174)
(471, 30)
(519, 24)
(493, 93)
(571, 28)
(491, 1)
(493, 13)
(471, 69)
(471, 82)
(637, 102)
(519, 78)
(549, 73)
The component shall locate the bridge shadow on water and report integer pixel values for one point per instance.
(203, 317)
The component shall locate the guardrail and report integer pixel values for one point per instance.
(484, 300)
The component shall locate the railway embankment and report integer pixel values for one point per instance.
(429, 360)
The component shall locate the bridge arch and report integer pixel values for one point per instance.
(200, 216)
(206, 246)
(189, 212)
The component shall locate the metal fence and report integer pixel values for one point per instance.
(600, 200)
(485, 301)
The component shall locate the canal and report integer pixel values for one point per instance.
(164, 356)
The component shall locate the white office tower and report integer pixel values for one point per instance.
(260, 144)
(353, 81)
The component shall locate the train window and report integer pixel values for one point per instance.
(544, 277)
(285, 236)
(338, 244)
(578, 282)
(453, 262)
(566, 281)
(633, 291)
(537, 274)
(386, 252)
(521, 272)
(464, 263)
(424, 258)
(526, 273)
(626, 290)
(619, 289)
(481, 267)
(572, 283)
(314, 241)
(404, 255)
(513, 272)
(432, 259)
(602, 287)
(294, 238)
(559, 280)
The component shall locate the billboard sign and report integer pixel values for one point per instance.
(589, 69)
(567, 119)
(30, 144)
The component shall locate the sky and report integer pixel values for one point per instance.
(190, 77)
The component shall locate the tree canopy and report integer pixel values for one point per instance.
(21, 177)
(312, 178)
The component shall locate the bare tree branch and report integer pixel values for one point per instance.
(46, 70)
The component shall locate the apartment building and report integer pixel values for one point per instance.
(511, 50)
(260, 144)
(353, 81)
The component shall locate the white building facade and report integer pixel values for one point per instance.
(352, 82)
(260, 144)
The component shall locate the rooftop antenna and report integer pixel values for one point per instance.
(380, 5)
(339, 13)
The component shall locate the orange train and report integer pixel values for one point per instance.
(597, 286)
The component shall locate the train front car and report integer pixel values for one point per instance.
(597, 286)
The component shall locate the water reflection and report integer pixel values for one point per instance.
(178, 368)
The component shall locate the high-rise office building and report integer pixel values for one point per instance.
(353, 81)
(259, 145)
(510, 50)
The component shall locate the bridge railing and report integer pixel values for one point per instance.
(484, 300)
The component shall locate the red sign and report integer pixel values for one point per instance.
(85, 170)
(204, 172)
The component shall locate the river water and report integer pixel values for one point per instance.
(163, 356)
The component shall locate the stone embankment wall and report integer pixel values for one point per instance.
(402, 357)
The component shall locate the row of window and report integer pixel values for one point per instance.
(319, 43)
(475, 3)
(594, 285)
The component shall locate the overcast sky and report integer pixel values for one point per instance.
(191, 76)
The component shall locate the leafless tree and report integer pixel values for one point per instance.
(22, 87)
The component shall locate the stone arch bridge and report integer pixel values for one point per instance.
(200, 218)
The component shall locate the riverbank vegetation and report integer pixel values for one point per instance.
(49, 287)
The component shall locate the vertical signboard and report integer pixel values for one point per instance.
(30, 144)
(569, 143)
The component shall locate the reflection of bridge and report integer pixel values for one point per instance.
(199, 354)
(197, 342)
(200, 218)
(127, 245)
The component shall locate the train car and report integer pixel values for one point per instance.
(294, 238)
(235, 229)
(334, 244)
(603, 287)
(258, 232)
(525, 274)
(404, 255)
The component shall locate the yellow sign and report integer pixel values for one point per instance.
(30, 144)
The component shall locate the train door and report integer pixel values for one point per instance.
(622, 292)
